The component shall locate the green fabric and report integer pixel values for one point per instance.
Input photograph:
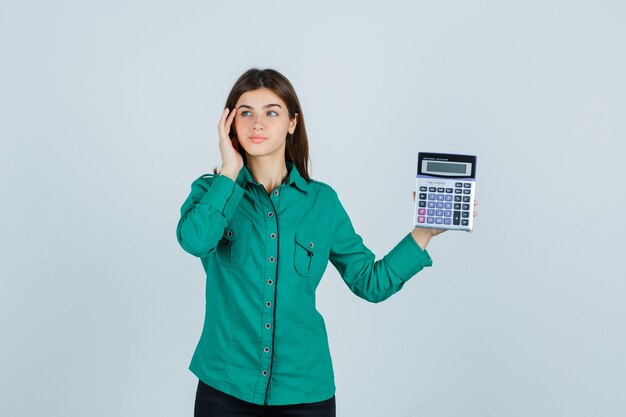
(260, 287)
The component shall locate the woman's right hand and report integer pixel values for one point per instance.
(232, 161)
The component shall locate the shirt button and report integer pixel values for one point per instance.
(268, 326)
(268, 304)
(275, 192)
(229, 233)
(270, 282)
(266, 350)
(311, 244)
(272, 259)
(264, 372)
(270, 214)
(273, 235)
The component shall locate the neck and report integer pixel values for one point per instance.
(267, 170)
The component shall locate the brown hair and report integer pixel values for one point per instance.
(297, 144)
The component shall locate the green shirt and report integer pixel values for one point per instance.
(263, 340)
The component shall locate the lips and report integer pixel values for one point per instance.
(257, 139)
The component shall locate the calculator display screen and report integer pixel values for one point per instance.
(446, 167)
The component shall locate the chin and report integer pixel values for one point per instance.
(256, 150)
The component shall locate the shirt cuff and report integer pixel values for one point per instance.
(407, 258)
(224, 195)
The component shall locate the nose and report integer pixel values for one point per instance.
(258, 123)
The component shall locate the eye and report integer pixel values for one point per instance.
(246, 113)
(272, 113)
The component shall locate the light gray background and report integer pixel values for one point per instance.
(108, 112)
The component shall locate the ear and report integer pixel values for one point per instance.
(292, 124)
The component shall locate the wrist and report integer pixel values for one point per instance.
(422, 237)
(230, 172)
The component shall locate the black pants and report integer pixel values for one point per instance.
(211, 402)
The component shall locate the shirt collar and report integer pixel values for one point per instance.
(295, 178)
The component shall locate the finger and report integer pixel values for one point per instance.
(229, 120)
(220, 125)
(475, 202)
(475, 213)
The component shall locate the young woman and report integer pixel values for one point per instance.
(265, 231)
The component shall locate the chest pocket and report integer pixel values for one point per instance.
(310, 254)
(234, 246)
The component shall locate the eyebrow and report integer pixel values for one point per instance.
(265, 107)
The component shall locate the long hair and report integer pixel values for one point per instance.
(297, 144)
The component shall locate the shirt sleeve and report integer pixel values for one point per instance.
(206, 212)
(372, 280)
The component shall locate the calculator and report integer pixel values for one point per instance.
(446, 186)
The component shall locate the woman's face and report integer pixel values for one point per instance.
(262, 122)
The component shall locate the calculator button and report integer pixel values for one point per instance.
(441, 190)
(467, 185)
(430, 220)
(421, 219)
(456, 219)
(465, 222)
(422, 204)
(432, 189)
(448, 198)
(422, 196)
(458, 198)
(439, 205)
(457, 206)
(448, 206)
(447, 213)
(465, 206)
(422, 188)
(449, 190)
(447, 221)
(438, 220)
(440, 213)
(466, 199)
(465, 214)
(440, 197)
(458, 184)
(457, 191)
(431, 212)
(421, 212)
(432, 196)
(467, 191)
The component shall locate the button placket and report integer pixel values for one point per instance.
(269, 289)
